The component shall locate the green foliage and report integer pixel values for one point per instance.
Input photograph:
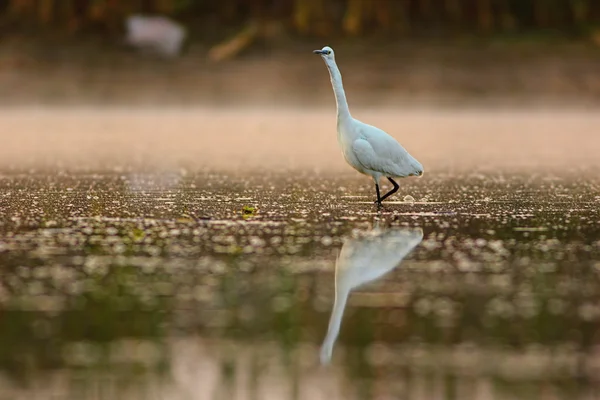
(327, 17)
(248, 211)
(183, 5)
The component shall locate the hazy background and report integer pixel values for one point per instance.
(245, 52)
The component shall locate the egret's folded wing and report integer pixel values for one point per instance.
(385, 155)
(369, 159)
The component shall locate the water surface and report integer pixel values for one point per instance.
(137, 273)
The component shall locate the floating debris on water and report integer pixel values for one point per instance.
(154, 266)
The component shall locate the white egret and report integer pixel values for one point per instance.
(363, 260)
(366, 148)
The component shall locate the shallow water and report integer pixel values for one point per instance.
(200, 280)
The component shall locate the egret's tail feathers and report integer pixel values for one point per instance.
(418, 172)
(418, 169)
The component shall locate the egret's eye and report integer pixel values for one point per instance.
(327, 52)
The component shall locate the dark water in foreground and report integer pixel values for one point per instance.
(197, 285)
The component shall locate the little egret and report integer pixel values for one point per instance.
(361, 260)
(367, 149)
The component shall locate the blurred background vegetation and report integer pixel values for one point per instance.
(319, 17)
(53, 50)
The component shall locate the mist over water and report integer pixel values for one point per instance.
(264, 139)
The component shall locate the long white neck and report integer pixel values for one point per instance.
(343, 112)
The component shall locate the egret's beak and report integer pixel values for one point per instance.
(318, 51)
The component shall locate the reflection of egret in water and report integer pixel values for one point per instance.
(362, 260)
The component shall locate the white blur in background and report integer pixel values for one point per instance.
(157, 34)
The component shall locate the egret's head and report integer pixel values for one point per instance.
(326, 53)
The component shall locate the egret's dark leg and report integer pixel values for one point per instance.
(378, 201)
(391, 192)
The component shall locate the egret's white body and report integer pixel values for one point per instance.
(368, 149)
(363, 260)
